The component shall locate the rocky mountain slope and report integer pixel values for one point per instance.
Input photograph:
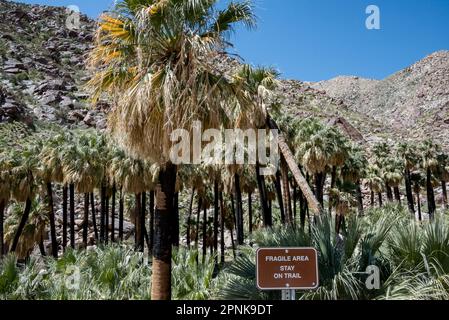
(414, 102)
(42, 73)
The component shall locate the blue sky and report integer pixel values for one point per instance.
(315, 40)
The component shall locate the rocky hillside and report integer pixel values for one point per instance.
(42, 66)
(414, 102)
(42, 73)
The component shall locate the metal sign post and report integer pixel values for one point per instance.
(289, 294)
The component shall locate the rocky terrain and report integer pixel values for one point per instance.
(412, 103)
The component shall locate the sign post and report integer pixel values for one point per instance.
(287, 269)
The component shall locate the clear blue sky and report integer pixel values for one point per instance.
(319, 39)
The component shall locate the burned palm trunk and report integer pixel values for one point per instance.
(239, 210)
(120, 216)
(222, 230)
(102, 212)
(372, 198)
(430, 195)
(106, 219)
(189, 218)
(204, 233)
(137, 221)
(333, 181)
(408, 191)
(72, 215)
(64, 216)
(319, 177)
(215, 218)
(151, 224)
(302, 209)
(418, 203)
(54, 243)
(175, 222)
(94, 215)
(2, 236)
(114, 191)
(277, 186)
(444, 191)
(162, 249)
(85, 219)
(22, 223)
(295, 201)
(397, 194)
(197, 227)
(379, 195)
(267, 219)
(142, 217)
(389, 192)
(286, 192)
(250, 213)
(359, 198)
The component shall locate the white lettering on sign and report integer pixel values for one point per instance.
(286, 258)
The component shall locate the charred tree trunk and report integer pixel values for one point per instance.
(302, 209)
(397, 194)
(319, 177)
(142, 217)
(204, 233)
(22, 223)
(72, 215)
(216, 214)
(102, 212)
(267, 219)
(222, 229)
(189, 218)
(418, 203)
(372, 198)
(138, 240)
(389, 192)
(2, 235)
(359, 198)
(64, 216)
(239, 210)
(250, 213)
(430, 195)
(408, 191)
(197, 228)
(114, 191)
(54, 243)
(379, 195)
(286, 192)
(295, 202)
(85, 219)
(120, 216)
(333, 181)
(151, 226)
(444, 191)
(106, 220)
(162, 249)
(94, 215)
(175, 223)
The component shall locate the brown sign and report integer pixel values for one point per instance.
(287, 268)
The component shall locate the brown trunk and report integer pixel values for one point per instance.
(162, 249)
(23, 221)
(277, 186)
(94, 215)
(286, 192)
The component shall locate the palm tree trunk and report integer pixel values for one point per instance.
(72, 215)
(408, 191)
(222, 230)
(319, 188)
(120, 216)
(162, 249)
(372, 198)
(418, 203)
(216, 218)
(197, 227)
(333, 181)
(106, 220)
(94, 215)
(302, 209)
(239, 211)
(294, 169)
(23, 221)
(444, 191)
(189, 218)
(359, 198)
(42, 247)
(250, 213)
(137, 221)
(175, 223)
(233, 242)
(102, 212)
(379, 195)
(54, 243)
(277, 186)
(389, 192)
(86, 219)
(286, 192)
(64, 216)
(430, 195)
(397, 194)
(267, 219)
(2, 236)
(142, 217)
(204, 233)
(151, 226)
(114, 191)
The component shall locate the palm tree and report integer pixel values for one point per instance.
(153, 53)
(429, 162)
(418, 181)
(407, 153)
(443, 175)
(5, 194)
(375, 183)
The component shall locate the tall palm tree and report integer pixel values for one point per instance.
(407, 153)
(375, 183)
(418, 180)
(429, 162)
(155, 54)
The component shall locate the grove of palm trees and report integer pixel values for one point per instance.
(89, 214)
